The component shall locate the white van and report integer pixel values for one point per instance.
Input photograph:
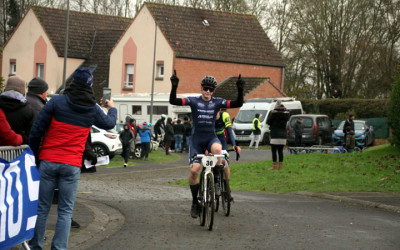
(243, 122)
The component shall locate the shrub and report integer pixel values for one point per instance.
(340, 108)
(394, 118)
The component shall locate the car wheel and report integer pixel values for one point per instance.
(138, 151)
(265, 140)
(100, 150)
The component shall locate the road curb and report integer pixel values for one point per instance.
(364, 203)
(106, 222)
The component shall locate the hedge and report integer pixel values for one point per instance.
(340, 108)
(394, 117)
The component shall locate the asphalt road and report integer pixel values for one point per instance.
(147, 212)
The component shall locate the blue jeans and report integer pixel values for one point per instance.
(178, 143)
(187, 143)
(66, 177)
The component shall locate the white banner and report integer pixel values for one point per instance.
(19, 192)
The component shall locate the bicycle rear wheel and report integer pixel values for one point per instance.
(225, 198)
(209, 205)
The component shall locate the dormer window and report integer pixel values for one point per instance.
(205, 22)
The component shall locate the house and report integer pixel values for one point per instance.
(36, 47)
(194, 42)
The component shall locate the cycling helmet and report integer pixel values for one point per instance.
(209, 81)
(163, 116)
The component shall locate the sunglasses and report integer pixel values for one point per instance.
(208, 89)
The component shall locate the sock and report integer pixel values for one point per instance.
(195, 191)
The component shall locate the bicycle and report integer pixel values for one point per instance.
(206, 195)
(222, 188)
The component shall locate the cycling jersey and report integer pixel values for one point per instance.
(224, 122)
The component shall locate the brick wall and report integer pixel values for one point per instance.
(191, 72)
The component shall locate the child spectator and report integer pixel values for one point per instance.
(126, 138)
(145, 137)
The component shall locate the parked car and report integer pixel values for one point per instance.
(364, 133)
(105, 142)
(317, 129)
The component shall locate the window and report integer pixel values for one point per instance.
(13, 67)
(136, 110)
(158, 110)
(40, 70)
(130, 69)
(160, 70)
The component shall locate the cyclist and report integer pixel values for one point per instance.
(222, 123)
(204, 110)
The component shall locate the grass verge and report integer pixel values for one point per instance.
(375, 169)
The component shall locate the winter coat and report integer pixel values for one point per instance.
(19, 115)
(169, 130)
(298, 128)
(145, 135)
(179, 129)
(64, 124)
(277, 123)
(36, 102)
(7, 136)
(126, 137)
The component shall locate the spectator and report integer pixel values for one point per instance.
(64, 124)
(37, 94)
(179, 130)
(160, 124)
(134, 130)
(347, 123)
(256, 131)
(188, 132)
(350, 142)
(298, 132)
(19, 114)
(169, 135)
(88, 154)
(277, 125)
(145, 138)
(7, 136)
(126, 138)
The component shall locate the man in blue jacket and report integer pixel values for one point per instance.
(58, 138)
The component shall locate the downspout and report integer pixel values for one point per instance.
(282, 77)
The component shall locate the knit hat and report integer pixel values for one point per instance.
(37, 86)
(83, 75)
(16, 83)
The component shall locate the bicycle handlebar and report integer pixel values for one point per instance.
(218, 156)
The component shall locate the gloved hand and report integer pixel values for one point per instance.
(240, 83)
(174, 80)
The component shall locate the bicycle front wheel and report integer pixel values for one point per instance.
(209, 205)
(202, 215)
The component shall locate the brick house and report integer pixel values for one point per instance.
(120, 51)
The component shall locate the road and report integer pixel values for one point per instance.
(147, 212)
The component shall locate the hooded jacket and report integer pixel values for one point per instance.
(7, 136)
(19, 115)
(64, 124)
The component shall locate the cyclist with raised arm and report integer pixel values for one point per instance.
(204, 110)
(222, 123)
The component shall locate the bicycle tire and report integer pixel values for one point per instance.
(202, 215)
(209, 205)
(225, 200)
(218, 196)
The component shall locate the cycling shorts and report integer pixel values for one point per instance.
(200, 143)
